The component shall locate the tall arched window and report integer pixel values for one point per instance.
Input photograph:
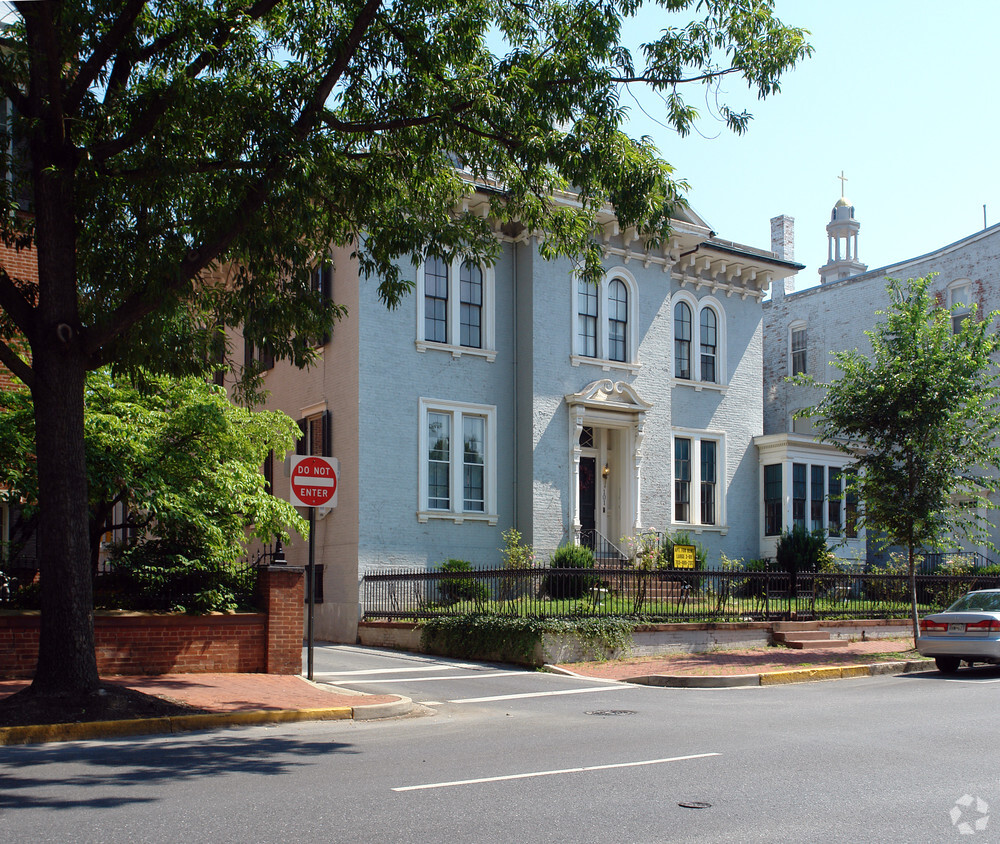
(682, 340)
(471, 313)
(709, 340)
(617, 320)
(436, 300)
(586, 297)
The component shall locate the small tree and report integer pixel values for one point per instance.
(919, 417)
(174, 458)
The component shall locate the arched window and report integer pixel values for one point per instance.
(682, 340)
(604, 321)
(617, 320)
(471, 297)
(586, 297)
(436, 300)
(709, 340)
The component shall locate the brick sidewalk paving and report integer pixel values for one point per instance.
(234, 692)
(749, 660)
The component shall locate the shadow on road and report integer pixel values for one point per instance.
(109, 771)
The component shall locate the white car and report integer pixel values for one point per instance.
(969, 631)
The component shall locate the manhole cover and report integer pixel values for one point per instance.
(695, 804)
(612, 712)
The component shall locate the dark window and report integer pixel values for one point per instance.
(436, 300)
(321, 282)
(586, 297)
(474, 462)
(799, 495)
(799, 339)
(268, 471)
(709, 344)
(772, 500)
(682, 480)
(816, 498)
(439, 461)
(834, 502)
(587, 437)
(850, 505)
(617, 320)
(709, 471)
(471, 300)
(682, 340)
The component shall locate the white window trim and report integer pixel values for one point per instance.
(954, 287)
(721, 484)
(632, 364)
(456, 514)
(798, 325)
(721, 384)
(488, 326)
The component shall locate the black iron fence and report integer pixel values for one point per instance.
(197, 587)
(656, 595)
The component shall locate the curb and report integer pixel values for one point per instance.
(82, 731)
(779, 678)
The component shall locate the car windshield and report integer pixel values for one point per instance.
(988, 601)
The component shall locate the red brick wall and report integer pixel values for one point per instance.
(283, 590)
(140, 643)
(147, 643)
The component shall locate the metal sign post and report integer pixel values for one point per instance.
(314, 482)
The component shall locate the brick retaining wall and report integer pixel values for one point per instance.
(153, 643)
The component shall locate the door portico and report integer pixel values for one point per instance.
(605, 444)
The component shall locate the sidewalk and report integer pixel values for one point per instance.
(229, 699)
(759, 666)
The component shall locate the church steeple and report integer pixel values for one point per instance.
(842, 236)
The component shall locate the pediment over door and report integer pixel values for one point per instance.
(606, 394)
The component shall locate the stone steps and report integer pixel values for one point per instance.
(805, 635)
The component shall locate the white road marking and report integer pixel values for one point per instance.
(432, 679)
(336, 674)
(976, 682)
(431, 702)
(553, 773)
(616, 688)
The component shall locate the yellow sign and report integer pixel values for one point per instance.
(684, 556)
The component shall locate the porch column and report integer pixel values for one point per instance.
(575, 430)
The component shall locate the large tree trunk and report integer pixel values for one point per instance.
(67, 664)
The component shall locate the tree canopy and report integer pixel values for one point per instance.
(170, 459)
(919, 417)
(187, 161)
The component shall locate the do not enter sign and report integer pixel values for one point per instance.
(314, 481)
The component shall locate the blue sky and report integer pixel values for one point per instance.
(899, 94)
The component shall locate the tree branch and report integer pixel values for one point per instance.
(13, 301)
(136, 307)
(105, 49)
(13, 361)
(159, 103)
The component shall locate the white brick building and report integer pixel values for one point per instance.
(802, 330)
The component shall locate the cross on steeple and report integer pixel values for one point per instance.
(843, 179)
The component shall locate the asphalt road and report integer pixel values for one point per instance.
(518, 756)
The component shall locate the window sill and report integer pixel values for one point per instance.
(457, 351)
(687, 527)
(606, 365)
(423, 516)
(699, 386)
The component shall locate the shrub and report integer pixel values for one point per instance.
(155, 575)
(454, 590)
(801, 550)
(570, 585)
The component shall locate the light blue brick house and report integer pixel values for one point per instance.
(517, 396)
